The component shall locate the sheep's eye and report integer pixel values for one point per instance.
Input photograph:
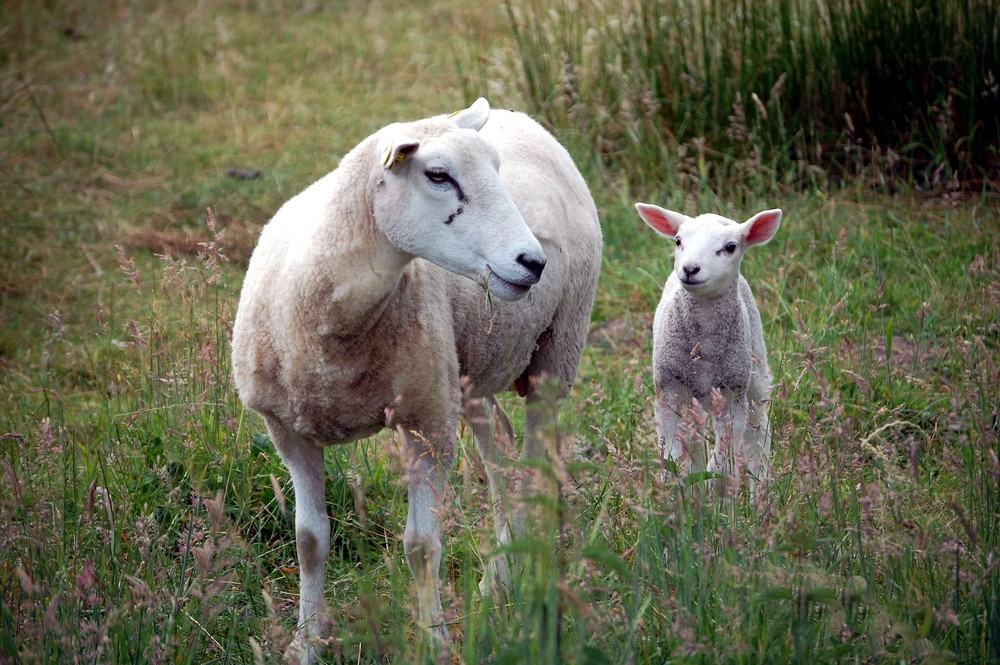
(678, 241)
(438, 176)
(730, 247)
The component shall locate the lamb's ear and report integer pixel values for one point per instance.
(395, 152)
(663, 221)
(760, 228)
(473, 117)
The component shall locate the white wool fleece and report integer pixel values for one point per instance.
(443, 261)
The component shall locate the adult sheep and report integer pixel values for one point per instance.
(372, 293)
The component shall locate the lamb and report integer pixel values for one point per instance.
(708, 342)
(443, 261)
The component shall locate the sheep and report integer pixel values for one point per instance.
(442, 262)
(708, 342)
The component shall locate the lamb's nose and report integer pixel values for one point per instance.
(691, 271)
(533, 264)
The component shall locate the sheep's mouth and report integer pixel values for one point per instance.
(691, 283)
(505, 289)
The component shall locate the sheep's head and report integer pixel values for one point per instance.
(437, 194)
(710, 248)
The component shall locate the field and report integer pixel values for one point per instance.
(145, 515)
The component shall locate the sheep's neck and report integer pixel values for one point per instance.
(357, 288)
(352, 271)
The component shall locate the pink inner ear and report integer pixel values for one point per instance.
(656, 217)
(763, 226)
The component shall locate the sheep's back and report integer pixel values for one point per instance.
(497, 340)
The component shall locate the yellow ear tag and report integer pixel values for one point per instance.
(452, 115)
(387, 156)
(400, 156)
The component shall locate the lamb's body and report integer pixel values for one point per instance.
(708, 340)
(701, 343)
(343, 330)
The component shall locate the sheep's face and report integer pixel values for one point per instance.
(440, 197)
(709, 248)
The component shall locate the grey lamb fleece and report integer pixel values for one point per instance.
(708, 342)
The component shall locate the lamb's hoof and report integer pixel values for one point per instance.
(717, 486)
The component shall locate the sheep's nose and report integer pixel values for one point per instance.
(691, 271)
(533, 264)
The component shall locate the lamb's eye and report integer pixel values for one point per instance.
(438, 176)
(730, 247)
(678, 241)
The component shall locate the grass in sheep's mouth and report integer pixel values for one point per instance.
(147, 517)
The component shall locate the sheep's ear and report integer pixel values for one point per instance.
(395, 152)
(661, 220)
(473, 117)
(760, 228)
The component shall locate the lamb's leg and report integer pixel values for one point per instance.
(426, 478)
(729, 424)
(495, 440)
(758, 446)
(304, 461)
(758, 424)
(666, 414)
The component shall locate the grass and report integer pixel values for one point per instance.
(749, 95)
(147, 517)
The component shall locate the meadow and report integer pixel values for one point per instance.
(145, 516)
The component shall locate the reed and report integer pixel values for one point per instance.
(778, 93)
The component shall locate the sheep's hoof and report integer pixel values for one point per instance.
(441, 638)
(299, 652)
(440, 644)
(496, 578)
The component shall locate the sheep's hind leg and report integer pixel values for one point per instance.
(541, 444)
(758, 447)
(494, 437)
(426, 478)
(304, 461)
(548, 379)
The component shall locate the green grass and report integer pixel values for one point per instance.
(734, 95)
(146, 517)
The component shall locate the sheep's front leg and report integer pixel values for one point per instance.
(729, 423)
(666, 413)
(494, 437)
(679, 442)
(312, 535)
(537, 423)
(426, 478)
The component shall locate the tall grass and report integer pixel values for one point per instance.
(782, 92)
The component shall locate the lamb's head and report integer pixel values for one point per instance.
(437, 194)
(710, 248)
